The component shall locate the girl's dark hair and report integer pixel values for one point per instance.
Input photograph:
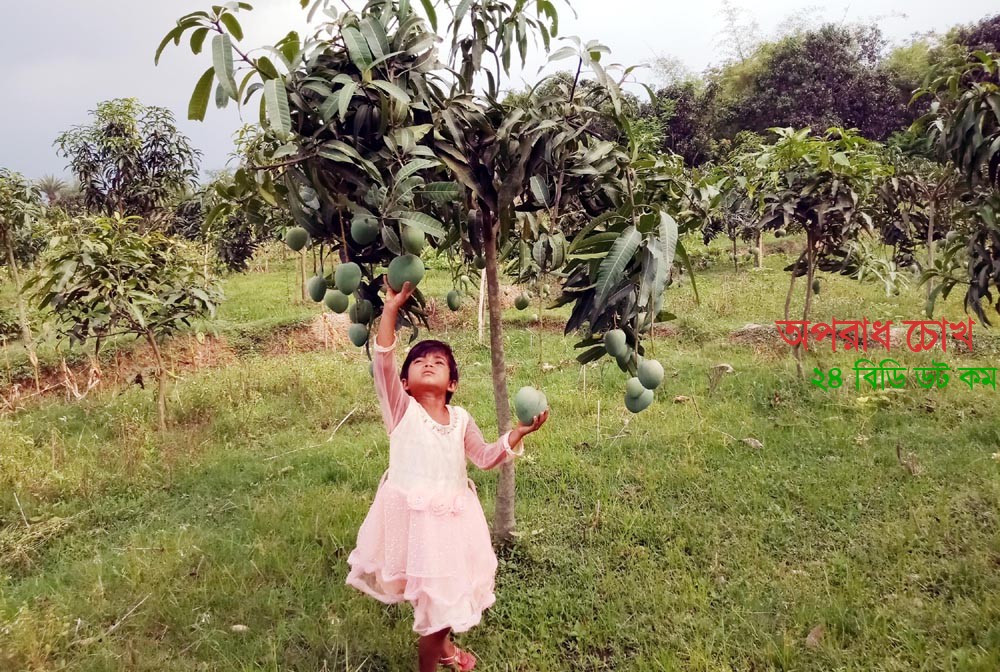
(424, 348)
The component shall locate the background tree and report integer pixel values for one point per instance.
(20, 210)
(130, 159)
(963, 127)
(830, 77)
(106, 277)
(53, 188)
(821, 186)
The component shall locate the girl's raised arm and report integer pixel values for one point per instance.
(392, 398)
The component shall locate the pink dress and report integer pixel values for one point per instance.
(425, 539)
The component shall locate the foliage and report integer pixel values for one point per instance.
(21, 210)
(828, 77)
(963, 126)
(105, 277)
(130, 159)
(679, 113)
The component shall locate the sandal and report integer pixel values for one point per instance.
(460, 660)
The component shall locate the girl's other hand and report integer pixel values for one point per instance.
(395, 300)
(536, 423)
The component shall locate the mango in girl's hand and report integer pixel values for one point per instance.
(403, 269)
(529, 402)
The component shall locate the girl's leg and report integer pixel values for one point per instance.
(430, 648)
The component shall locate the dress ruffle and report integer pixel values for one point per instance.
(431, 548)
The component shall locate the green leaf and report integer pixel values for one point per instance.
(682, 253)
(222, 59)
(358, 49)
(440, 192)
(172, 35)
(198, 40)
(266, 67)
(199, 99)
(276, 105)
(540, 190)
(414, 166)
(233, 25)
(612, 268)
(392, 90)
(425, 223)
(431, 15)
(375, 35)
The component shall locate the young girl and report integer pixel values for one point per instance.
(425, 538)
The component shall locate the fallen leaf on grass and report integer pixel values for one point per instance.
(753, 443)
(815, 636)
(680, 399)
(239, 628)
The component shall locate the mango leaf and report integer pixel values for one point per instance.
(612, 268)
(276, 102)
(425, 223)
(440, 192)
(199, 98)
(222, 59)
(357, 47)
(232, 25)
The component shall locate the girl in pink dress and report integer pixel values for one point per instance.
(425, 539)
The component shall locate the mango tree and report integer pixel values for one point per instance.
(129, 159)
(376, 148)
(821, 185)
(105, 277)
(20, 210)
(963, 125)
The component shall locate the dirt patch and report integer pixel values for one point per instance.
(327, 331)
(181, 354)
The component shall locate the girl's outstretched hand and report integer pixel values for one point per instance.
(536, 423)
(395, 300)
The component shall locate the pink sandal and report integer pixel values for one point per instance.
(460, 660)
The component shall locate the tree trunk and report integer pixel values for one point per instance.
(930, 246)
(161, 378)
(736, 265)
(503, 523)
(22, 312)
(302, 272)
(482, 303)
(788, 310)
(760, 249)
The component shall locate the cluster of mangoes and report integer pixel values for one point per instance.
(649, 372)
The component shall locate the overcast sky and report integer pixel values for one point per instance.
(65, 56)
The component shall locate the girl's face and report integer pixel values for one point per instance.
(429, 373)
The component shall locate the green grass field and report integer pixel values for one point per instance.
(653, 542)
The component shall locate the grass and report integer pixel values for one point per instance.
(651, 542)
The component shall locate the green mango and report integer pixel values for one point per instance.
(296, 238)
(634, 388)
(522, 301)
(361, 312)
(640, 403)
(454, 300)
(413, 239)
(529, 402)
(316, 286)
(364, 229)
(336, 300)
(405, 268)
(615, 343)
(347, 277)
(650, 373)
(358, 333)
